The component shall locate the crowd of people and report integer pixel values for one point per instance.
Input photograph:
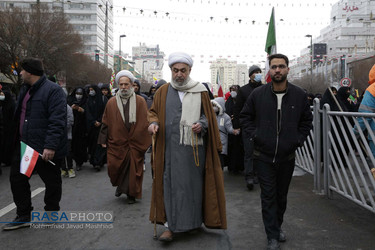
(254, 130)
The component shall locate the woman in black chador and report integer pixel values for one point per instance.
(77, 100)
(7, 106)
(94, 111)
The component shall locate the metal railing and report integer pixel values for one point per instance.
(341, 155)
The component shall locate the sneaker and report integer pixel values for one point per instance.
(64, 173)
(273, 244)
(18, 222)
(282, 236)
(71, 173)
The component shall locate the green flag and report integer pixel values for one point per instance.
(271, 36)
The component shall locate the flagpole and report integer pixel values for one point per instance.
(48, 160)
(270, 43)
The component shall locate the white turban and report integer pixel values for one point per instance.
(180, 57)
(126, 73)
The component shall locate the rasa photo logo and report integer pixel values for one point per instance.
(72, 219)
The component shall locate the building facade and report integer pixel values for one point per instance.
(229, 72)
(92, 19)
(351, 34)
(149, 61)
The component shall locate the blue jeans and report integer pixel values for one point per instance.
(274, 180)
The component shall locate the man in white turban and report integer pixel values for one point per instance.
(188, 185)
(124, 133)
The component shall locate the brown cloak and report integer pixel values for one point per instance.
(125, 145)
(214, 211)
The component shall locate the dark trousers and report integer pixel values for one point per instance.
(97, 152)
(248, 147)
(68, 160)
(20, 186)
(274, 182)
(221, 156)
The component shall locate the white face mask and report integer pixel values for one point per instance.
(78, 97)
(2, 97)
(216, 109)
(92, 93)
(233, 94)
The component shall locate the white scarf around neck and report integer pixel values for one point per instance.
(191, 109)
(132, 106)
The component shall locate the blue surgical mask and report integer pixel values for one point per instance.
(258, 77)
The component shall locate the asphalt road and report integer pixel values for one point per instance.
(311, 221)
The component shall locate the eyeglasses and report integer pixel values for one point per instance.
(281, 66)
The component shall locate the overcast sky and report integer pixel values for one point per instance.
(200, 28)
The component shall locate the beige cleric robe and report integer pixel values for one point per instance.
(214, 211)
(125, 145)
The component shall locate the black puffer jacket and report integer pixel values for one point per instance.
(45, 119)
(259, 119)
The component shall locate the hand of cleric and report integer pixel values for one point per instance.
(153, 129)
(197, 128)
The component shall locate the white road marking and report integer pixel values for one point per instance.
(12, 206)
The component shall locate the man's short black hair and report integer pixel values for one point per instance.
(281, 56)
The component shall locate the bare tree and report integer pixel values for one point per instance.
(317, 85)
(81, 70)
(36, 32)
(359, 73)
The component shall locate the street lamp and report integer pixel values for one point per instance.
(311, 59)
(119, 54)
(143, 69)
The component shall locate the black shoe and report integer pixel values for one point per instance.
(282, 236)
(18, 222)
(117, 193)
(97, 168)
(131, 199)
(250, 184)
(256, 181)
(273, 244)
(78, 167)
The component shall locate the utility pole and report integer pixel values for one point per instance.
(311, 60)
(106, 36)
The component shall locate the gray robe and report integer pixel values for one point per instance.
(182, 180)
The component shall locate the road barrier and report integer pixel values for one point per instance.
(339, 156)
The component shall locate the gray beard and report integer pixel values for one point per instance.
(126, 94)
(181, 84)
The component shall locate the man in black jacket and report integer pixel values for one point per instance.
(255, 80)
(41, 118)
(277, 119)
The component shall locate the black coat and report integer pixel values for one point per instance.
(259, 122)
(46, 117)
(242, 95)
(7, 128)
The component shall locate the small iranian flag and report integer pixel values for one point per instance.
(270, 43)
(220, 89)
(28, 159)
